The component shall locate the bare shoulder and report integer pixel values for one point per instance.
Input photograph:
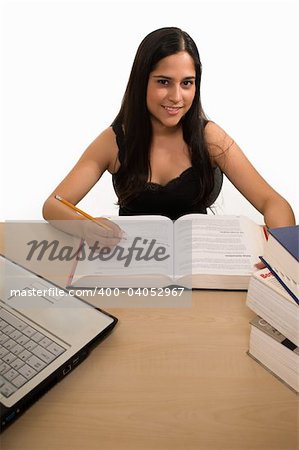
(105, 141)
(218, 141)
(107, 136)
(104, 150)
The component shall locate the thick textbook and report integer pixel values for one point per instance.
(195, 251)
(267, 298)
(274, 352)
(285, 281)
(282, 253)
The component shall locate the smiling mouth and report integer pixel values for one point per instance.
(172, 108)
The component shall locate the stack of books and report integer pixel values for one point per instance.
(273, 294)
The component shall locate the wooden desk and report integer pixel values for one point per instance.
(166, 379)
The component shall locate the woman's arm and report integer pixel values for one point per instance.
(101, 155)
(229, 157)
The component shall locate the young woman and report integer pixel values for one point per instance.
(164, 155)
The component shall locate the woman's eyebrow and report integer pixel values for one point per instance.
(170, 78)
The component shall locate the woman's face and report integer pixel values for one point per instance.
(171, 89)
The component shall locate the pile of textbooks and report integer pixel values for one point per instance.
(273, 294)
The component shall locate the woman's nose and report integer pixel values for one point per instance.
(175, 94)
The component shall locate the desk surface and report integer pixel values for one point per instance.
(166, 379)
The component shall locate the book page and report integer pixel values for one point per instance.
(183, 250)
(146, 250)
(266, 277)
(224, 244)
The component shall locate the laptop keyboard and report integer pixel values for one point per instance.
(24, 352)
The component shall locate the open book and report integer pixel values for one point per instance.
(195, 251)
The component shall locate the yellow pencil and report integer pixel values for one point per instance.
(83, 213)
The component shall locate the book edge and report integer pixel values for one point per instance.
(272, 373)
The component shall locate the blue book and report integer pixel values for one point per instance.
(288, 238)
(281, 252)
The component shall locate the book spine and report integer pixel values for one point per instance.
(267, 328)
(288, 290)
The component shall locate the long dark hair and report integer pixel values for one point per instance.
(135, 119)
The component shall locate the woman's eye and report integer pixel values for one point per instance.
(163, 82)
(188, 83)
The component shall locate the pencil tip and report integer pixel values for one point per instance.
(58, 197)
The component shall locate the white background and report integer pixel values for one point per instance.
(65, 66)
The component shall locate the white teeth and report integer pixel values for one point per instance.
(172, 108)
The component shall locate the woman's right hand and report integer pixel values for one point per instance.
(104, 234)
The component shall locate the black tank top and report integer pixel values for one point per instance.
(174, 199)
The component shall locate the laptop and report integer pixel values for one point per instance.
(45, 332)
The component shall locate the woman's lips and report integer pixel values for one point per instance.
(172, 110)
